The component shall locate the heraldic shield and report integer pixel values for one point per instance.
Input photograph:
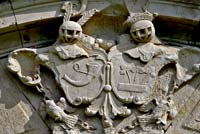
(132, 81)
(105, 82)
(129, 84)
(80, 78)
(135, 72)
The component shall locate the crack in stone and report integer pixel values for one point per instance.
(20, 35)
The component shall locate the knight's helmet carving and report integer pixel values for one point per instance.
(142, 29)
(69, 31)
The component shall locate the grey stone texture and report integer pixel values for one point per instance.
(99, 67)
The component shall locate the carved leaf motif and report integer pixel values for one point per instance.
(22, 62)
(86, 16)
(108, 107)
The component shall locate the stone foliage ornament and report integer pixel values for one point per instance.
(128, 82)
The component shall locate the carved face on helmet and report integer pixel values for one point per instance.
(70, 31)
(142, 31)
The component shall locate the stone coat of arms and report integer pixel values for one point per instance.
(128, 86)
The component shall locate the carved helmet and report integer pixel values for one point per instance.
(70, 31)
(142, 29)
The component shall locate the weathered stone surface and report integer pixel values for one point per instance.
(20, 115)
(7, 17)
(107, 71)
(13, 120)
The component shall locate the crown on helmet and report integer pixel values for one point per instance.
(142, 16)
(135, 17)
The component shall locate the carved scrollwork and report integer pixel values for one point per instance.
(106, 78)
(22, 63)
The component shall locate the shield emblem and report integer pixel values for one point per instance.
(132, 80)
(135, 73)
(80, 77)
(103, 81)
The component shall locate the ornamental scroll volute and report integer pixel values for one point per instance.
(107, 79)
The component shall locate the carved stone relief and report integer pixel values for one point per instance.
(129, 85)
